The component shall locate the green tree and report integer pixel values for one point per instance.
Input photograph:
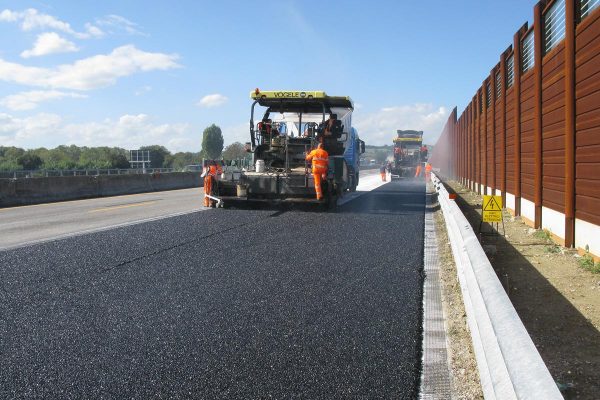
(158, 155)
(234, 151)
(12, 153)
(8, 165)
(118, 160)
(30, 161)
(212, 142)
(181, 159)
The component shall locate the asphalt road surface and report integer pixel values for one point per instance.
(222, 304)
(28, 224)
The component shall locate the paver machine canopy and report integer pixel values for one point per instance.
(293, 122)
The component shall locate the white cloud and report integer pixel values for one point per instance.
(116, 23)
(30, 100)
(49, 43)
(32, 19)
(212, 100)
(93, 31)
(143, 90)
(237, 133)
(380, 127)
(89, 73)
(19, 131)
(128, 131)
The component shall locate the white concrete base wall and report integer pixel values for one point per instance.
(553, 221)
(510, 201)
(587, 234)
(528, 209)
(490, 191)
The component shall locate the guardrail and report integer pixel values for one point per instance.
(510, 367)
(45, 173)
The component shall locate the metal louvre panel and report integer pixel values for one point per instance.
(554, 25)
(528, 47)
(510, 71)
(498, 85)
(587, 6)
(488, 95)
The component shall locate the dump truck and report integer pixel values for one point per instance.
(292, 124)
(409, 152)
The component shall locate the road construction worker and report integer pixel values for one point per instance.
(210, 176)
(418, 171)
(383, 173)
(320, 162)
(264, 127)
(428, 169)
(423, 153)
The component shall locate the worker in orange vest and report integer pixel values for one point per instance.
(428, 169)
(383, 173)
(211, 173)
(320, 163)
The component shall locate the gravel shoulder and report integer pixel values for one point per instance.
(463, 366)
(557, 300)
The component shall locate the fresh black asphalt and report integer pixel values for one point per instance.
(222, 304)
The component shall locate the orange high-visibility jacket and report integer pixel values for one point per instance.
(320, 160)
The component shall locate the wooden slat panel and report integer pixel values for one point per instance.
(587, 108)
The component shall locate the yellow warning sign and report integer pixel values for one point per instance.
(492, 208)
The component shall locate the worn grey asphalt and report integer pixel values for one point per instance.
(19, 225)
(222, 304)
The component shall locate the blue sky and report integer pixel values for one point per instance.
(133, 73)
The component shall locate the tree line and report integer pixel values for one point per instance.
(75, 157)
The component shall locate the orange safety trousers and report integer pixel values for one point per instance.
(208, 183)
(418, 173)
(319, 172)
(383, 178)
(318, 177)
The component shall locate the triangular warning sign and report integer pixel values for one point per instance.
(492, 205)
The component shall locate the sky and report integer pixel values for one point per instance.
(134, 73)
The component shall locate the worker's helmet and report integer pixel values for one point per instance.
(320, 146)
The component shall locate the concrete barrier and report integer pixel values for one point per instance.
(510, 366)
(25, 191)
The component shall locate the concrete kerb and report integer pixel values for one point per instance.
(25, 191)
(510, 367)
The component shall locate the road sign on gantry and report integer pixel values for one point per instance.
(492, 209)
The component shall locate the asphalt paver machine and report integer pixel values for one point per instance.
(292, 124)
(408, 153)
